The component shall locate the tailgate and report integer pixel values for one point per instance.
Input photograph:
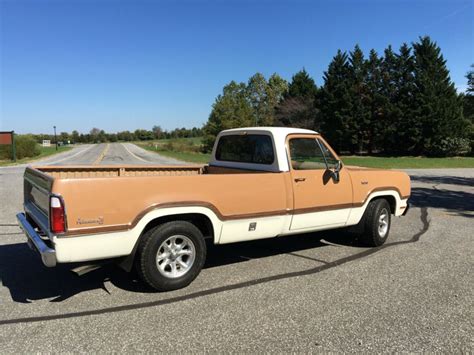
(37, 188)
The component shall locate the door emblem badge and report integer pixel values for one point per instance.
(98, 220)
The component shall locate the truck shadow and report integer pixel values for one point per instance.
(444, 180)
(28, 280)
(459, 202)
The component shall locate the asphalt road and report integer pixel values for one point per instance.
(316, 292)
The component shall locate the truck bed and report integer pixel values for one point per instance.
(84, 172)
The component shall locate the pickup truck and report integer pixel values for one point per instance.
(261, 182)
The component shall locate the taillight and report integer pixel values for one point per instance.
(56, 215)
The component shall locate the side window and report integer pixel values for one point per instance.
(332, 161)
(306, 154)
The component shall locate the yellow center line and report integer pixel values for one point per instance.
(101, 155)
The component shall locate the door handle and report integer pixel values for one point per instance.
(300, 179)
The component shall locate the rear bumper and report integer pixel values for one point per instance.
(48, 255)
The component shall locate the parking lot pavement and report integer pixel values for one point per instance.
(316, 292)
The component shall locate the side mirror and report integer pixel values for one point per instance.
(335, 173)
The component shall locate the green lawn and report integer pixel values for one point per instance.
(409, 162)
(199, 158)
(44, 152)
(188, 149)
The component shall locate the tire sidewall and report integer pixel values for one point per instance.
(381, 205)
(154, 240)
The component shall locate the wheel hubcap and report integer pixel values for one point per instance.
(175, 256)
(383, 223)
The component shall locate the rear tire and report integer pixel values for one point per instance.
(171, 255)
(377, 223)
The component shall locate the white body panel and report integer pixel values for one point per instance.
(317, 220)
(116, 244)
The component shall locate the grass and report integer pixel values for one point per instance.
(198, 158)
(188, 149)
(44, 152)
(409, 162)
(185, 149)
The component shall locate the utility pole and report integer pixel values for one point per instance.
(55, 139)
(13, 146)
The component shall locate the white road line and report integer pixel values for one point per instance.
(71, 156)
(136, 156)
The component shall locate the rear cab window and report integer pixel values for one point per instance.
(246, 148)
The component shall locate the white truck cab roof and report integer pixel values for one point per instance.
(278, 135)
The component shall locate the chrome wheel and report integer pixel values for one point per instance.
(175, 256)
(383, 223)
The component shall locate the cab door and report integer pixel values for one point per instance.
(321, 200)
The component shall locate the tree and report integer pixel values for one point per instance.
(277, 88)
(264, 96)
(75, 136)
(358, 124)
(257, 88)
(230, 110)
(336, 103)
(157, 131)
(376, 102)
(406, 127)
(468, 101)
(143, 134)
(302, 85)
(94, 132)
(64, 137)
(438, 108)
(469, 95)
(397, 90)
(298, 107)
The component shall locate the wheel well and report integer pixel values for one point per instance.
(202, 222)
(391, 201)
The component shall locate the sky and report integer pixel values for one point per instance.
(123, 65)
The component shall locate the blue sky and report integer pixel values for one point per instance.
(121, 65)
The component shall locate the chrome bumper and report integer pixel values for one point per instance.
(48, 255)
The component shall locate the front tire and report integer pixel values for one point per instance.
(377, 223)
(171, 255)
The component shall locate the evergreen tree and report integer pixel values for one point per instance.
(336, 103)
(298, 107)
(469, 95)
(302, 85)
(438, 108)
(376, 103)
(358, 125)
(389, 111)
(230, 110)
(468, 100)
(407, 130)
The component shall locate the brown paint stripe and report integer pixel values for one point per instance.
(122, 227)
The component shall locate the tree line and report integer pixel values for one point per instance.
(398, 103)
(97, 135)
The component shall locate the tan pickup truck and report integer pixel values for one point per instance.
(260, 183)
